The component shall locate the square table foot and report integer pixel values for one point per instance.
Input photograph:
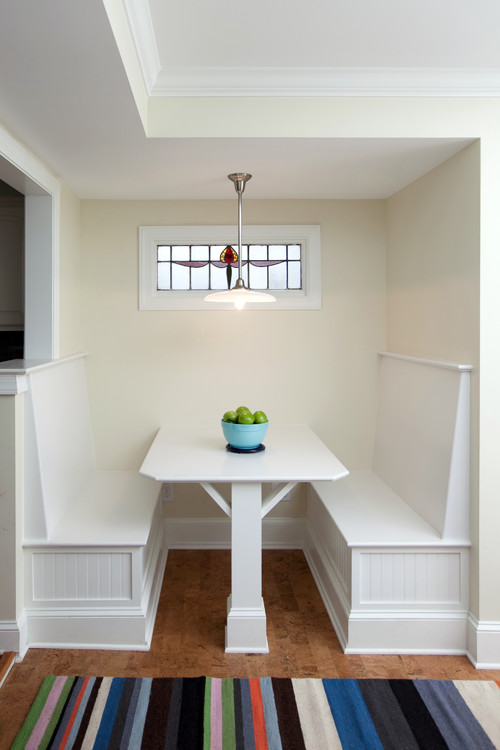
(246, 631)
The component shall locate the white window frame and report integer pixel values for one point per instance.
(308, 235)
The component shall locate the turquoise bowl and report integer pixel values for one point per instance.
(244, 436)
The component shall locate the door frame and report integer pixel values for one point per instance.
(20, 169)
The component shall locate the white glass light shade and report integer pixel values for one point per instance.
(239, 297)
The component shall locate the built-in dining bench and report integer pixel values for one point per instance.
(389, 546)
(93, 540)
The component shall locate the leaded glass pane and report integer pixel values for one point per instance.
(199, 277)
(258, 277)
(277, 276)
(218, 278)
(259, 252)
(163, 275)
(163, 252)
(293, 252)
(294, 275)
(180, 276)
(215, 251)
(180, 252)
(199, 252)
(277, 252)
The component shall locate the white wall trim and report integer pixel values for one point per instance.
(225, 81)
(483, 643)
(142, 31)
(12, 383)
(329, 584)
(455, 366)
(25, 173)
(127, 630)
(14, 635)
(150, 298)
(41, 338)
(215, 533)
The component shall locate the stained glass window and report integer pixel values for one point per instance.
(179, 265)
(273, 267)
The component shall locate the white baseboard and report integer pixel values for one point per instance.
(13, 635)
(329, 586)
(483, 643)
(215, 533)
(391, 632)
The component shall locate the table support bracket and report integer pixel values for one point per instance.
(275, 496)
(219, 499)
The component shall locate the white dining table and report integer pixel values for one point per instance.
(292, 454)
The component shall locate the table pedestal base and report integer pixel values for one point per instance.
(246, 615)
(184, 454)
(246, 630)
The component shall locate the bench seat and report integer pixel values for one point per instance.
(114, 508)
(388, 546)
(368, 513)
(93, 541)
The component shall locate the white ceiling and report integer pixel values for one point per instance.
(325, 33)
(65, 95)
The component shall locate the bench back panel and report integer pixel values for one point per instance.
(421, 446)
(61, 456)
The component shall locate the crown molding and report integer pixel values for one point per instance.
(302, 82)
(141, 28)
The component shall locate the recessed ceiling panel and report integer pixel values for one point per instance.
(357, 33)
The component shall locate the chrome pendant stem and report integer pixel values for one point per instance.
(239, 295)
(240, 262)
(240, 179)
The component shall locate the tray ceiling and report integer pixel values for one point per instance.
(76, 79)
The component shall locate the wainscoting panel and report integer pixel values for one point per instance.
(409, 577)
(82, 576)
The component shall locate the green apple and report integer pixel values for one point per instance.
(259, 417)
(230, 416)
(245, 417)
(242, 408)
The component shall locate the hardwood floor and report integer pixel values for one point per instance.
(188, 639)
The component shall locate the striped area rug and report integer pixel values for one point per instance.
(203, 713)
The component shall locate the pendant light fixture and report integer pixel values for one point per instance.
(240, 295)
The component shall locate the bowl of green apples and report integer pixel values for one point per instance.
(244, 430)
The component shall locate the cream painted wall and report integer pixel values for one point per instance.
(433, 247)
(433, 262)
(151, 368)
(69, 272)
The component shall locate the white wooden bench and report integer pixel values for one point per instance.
(93, 540)
(389, 546)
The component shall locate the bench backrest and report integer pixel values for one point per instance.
(59, 443)
(422, 442)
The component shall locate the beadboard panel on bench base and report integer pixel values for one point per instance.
(399, 600)
(215, 533)
(94, 597)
